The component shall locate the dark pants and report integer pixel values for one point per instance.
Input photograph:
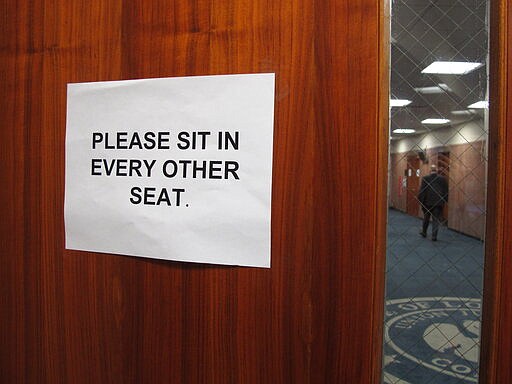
(436, 213)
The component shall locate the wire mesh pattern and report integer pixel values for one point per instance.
(434, 288)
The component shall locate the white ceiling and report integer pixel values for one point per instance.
(424, 31)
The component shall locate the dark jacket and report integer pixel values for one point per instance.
(433, 191)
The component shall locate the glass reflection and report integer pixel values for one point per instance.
(437, 191)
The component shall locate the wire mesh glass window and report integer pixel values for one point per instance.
(437, 190)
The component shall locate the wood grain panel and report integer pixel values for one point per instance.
(13, 93)
(346, 189)
(316, 315)
(467, 180)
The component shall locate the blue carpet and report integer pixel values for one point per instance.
(433, 307)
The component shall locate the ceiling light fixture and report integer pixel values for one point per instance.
(483, 104)
(451, 67)
(464, 112)
(440, 88)
(435, 121)
(404, 130)
(399, 102)
(444, 87)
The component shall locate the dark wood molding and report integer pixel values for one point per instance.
(496, 342)
(381, 192)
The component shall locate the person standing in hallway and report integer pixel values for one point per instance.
(433, 195)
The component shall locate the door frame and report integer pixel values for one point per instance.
(496, 338)
(496, 342)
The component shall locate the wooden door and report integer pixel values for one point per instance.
(316, 315)
(413, 185)
(443, 166)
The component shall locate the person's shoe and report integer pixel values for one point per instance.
(434, 239)
(423, 234)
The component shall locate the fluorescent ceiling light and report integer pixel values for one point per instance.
(440, 88)
(483, 104)
(451, 67)
(429, 90)
(404, 130)
(399, 102)
(435, 121)
(464, 112)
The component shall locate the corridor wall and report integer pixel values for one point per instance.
(462, 151)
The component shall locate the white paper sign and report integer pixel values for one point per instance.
(172, 168)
